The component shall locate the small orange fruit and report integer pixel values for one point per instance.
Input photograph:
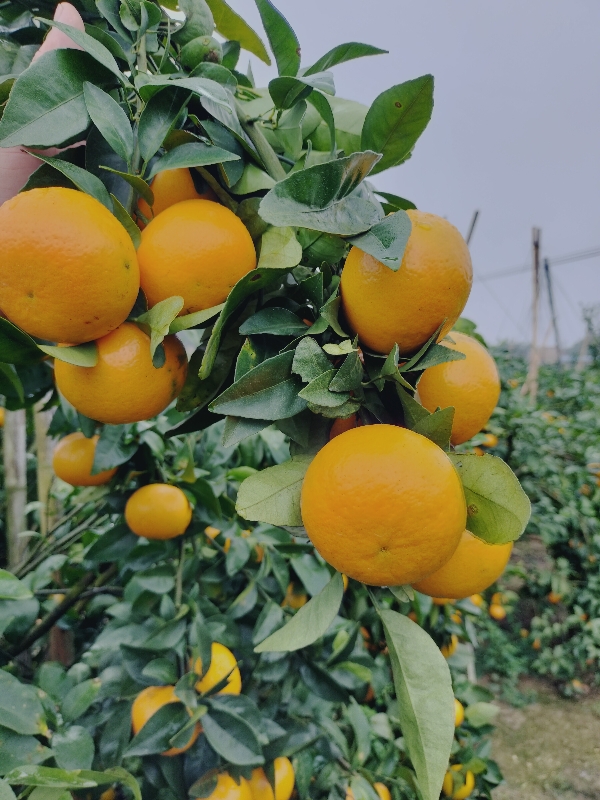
(554, 597)
(222, 663)
(461, 792)
(294, 597)
(341, 425)
(408, 306)
(412, 615)
(158, 511)
(124, 386)
(148, 702)
(228, 789)
(450, 648)
(68, 268)
(497, 612)
(169, 187)
(196, 249)
(2, 414)
(473, 567)
(383, 791)
(497, 599)
(536, 644)
(441, 601)
(523, 633)
(212, 532)
(459, 713)
(477, 600)
(383, 505)
(471, 386)
(73, 460)
(490, 440)
(345, 582)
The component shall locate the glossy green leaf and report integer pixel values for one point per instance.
(323, 106)
(387, 240)
(230, 25)
(6, 793)
(11, 588)
(273, 495)
(194, 154)
(498, 509)
(20, 707)
(309, 360)
(269, 391)
(396, 119)
(157, 321)
(287, 91)
(79, 699)
(10, 383)
(342, 53)
(248, 285)
(323, 197)
(437, 427)
(17, 750)
(111, 449)
(46, 105)
(187, 321)
(309, 623)
(276, 321)
(83, 179)
(82, 355)
(197, 391)
(349, 375)
(394, 202)
(253, 179)
(317, 392)
(31, 775)
(198, 21)
(158, 119)
(349, 117)
(138, 183)
(283, 40)
(237, 429)
(126, 221)
(279, 249)
(155, 736)
(110, 119)
(73, 748)
(425, 699)
(17, 347)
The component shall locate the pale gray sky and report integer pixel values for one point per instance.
(515, 131)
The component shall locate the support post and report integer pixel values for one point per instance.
(530, 386)
(15, 481)
(552, 308)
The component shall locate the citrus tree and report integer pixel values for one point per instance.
(310, 305)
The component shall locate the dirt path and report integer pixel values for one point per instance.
(549, 750)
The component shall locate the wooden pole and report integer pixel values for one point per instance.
(531, 383)
(552, 308)
(44, 449)
(15, 481)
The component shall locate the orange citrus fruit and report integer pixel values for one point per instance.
(471, 386)
(124, 386)
(148, 702)
(497, 612)
(497, 598)
(294, 597)
(463, 791)
(284, 781)
(441, 601)
(2, 414)
(383, 791)
(473, 567)
(228, 789)
(73, 459)
(169, 187)
(459, 713)
(158, 511)
(342, 425)
(222, 664)
(448, 649)
(407, 307)
(384, 505)
(196, 249)
(554, 597)
(68, 268)
(490, 440)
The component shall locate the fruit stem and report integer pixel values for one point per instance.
(263, 148)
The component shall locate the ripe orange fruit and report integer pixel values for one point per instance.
(536, 644)
(459, 713)
(342, 425)
(147, 703)
(472, 386)
(2, 413)
(169, 187)
(497, 612)
(196, 249)
(554, 597)
(68, 268)
(442, 601)
(384, 505)
(448, 649)
(158, 511)
(473, 567)
(73, 459)
(228, 789)
(383, 791)
(222, 663)
(477, 600)
(408, 306)
(284, 781)
(490, 440)
(294, 597)
(124, 386)
(463, 791)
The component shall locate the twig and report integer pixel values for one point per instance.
(263, 148)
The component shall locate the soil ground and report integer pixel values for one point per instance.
(549, 750)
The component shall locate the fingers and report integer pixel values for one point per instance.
(56, 39)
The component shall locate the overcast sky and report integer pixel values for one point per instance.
(515, 131)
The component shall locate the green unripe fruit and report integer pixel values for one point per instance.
(204, 48)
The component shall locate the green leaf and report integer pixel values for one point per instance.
(20, 707)
(498, 509)
(425, 699)
(349, 376)
(31, 775)
(195, 319)
(394, 202)
(79, 699)
(110, 119)
(287, 91)
(276, 321)
(161, 671)
(92, 46)
(437, 427)
(283, 40)
(309, 360)
(157, 321)
(73, 748)
(237, 429)
(158, 580)
(266, 392)
(251, 283)
(158, 119)
(46, 105)
(309, 623)
(323, 106)
(387, 240)
(481, 714)
(16, 346)
(17, 750)
(83, 179)
(230, 25)
(6, 793)
(342, 53)
(126, 221)
(362, 731)
(155, 736)
(10, 383)
(317, 391)
(111, 449)
(253, 179)
(194, 154)
(198, 21)
(330, 312)
(11, 588)
(198, 392)
(82, 355)
(273, 494)
(232, 737)
(279, 249)
(396, 120)
(323, 197)
(139, 184)
(349, 117)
